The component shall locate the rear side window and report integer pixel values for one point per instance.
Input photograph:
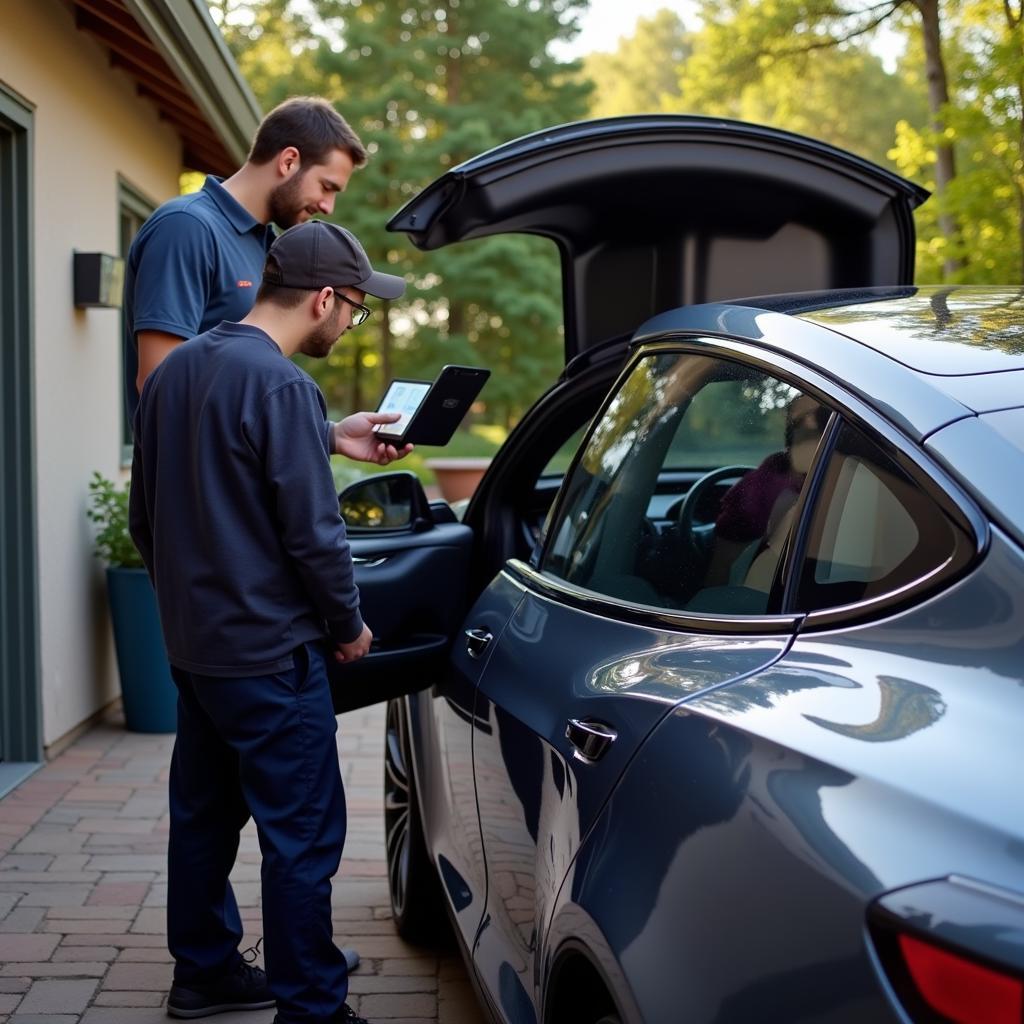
(874, 531)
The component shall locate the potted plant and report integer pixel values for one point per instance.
(147, 689)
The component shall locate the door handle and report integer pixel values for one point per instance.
(477, 641)
(590, 738)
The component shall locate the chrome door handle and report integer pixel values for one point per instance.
(590, 738)
(477, 641)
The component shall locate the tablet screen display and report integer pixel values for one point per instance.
(403, 397)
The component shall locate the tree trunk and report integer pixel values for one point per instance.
(1019, 186)
(1013, 22)
(456, 318)
(453, 91)
(453, 61)
(938, 98)
(385, 342)
(357, 376)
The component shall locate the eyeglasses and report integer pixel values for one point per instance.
(359, 311)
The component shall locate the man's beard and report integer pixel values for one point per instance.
(284, 203)
(319, 343)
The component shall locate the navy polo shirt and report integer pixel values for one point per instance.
(197, 261)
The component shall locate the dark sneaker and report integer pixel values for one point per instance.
(244, 989)
(349, 1016)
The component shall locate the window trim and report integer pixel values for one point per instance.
(647, 615)
(21, 676)
(133, 201)
(787, 578)
(923, 470)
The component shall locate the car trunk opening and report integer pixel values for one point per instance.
(651, 213)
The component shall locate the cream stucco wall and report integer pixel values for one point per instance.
(90, 127)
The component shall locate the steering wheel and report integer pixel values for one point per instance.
(696, 537)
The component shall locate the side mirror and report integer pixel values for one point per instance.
(389, 502)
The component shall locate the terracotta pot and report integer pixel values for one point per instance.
(457, 477)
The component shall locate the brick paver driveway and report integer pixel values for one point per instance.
(83, 890)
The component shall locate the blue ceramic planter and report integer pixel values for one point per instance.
(149, 694)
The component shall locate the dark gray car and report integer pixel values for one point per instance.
(728, 731)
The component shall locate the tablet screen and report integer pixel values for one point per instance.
(403, 397)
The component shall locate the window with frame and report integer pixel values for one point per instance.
(133, 211)
(874, 530)
(685, 493)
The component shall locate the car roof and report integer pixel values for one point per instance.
(946, 331)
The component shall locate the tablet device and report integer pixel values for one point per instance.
(430, 412)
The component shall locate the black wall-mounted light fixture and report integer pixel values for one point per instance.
(99, 280)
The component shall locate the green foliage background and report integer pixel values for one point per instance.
(430, 83)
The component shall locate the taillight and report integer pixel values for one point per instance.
(960, 990)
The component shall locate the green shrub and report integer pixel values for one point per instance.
(108, 508)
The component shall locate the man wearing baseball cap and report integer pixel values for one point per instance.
(234, 510)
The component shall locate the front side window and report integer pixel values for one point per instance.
(685, 493)
(874, 531)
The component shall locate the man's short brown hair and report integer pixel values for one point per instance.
(277, 294)
(309, 124)
(283, 298)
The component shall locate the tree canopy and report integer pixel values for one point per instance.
(428, 85)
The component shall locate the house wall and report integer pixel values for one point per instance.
(90, 128)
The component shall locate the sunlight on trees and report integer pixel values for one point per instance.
(430, 83)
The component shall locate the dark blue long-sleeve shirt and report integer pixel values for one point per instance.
(233, 507)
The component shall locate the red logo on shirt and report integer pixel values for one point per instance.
(245, 284)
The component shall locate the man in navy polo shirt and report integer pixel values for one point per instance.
(198, 259)
(254, 582)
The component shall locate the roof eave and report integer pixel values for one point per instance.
(190, 42)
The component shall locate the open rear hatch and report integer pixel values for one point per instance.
(659, 211)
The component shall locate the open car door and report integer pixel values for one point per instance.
(648, 213)
(412, 573)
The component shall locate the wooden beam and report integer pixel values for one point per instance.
(223, 167)
(188, 116)
(117, 16)
(174, 95)
(127, 46)
(214, 151)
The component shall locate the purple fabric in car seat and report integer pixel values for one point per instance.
(747, 505)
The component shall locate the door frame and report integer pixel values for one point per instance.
(20, 697)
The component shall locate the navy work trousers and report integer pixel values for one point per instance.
(263, 745)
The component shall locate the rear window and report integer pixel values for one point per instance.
(874, 530)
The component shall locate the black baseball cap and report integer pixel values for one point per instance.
(318, 254)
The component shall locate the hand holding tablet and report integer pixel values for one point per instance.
(429, 412)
